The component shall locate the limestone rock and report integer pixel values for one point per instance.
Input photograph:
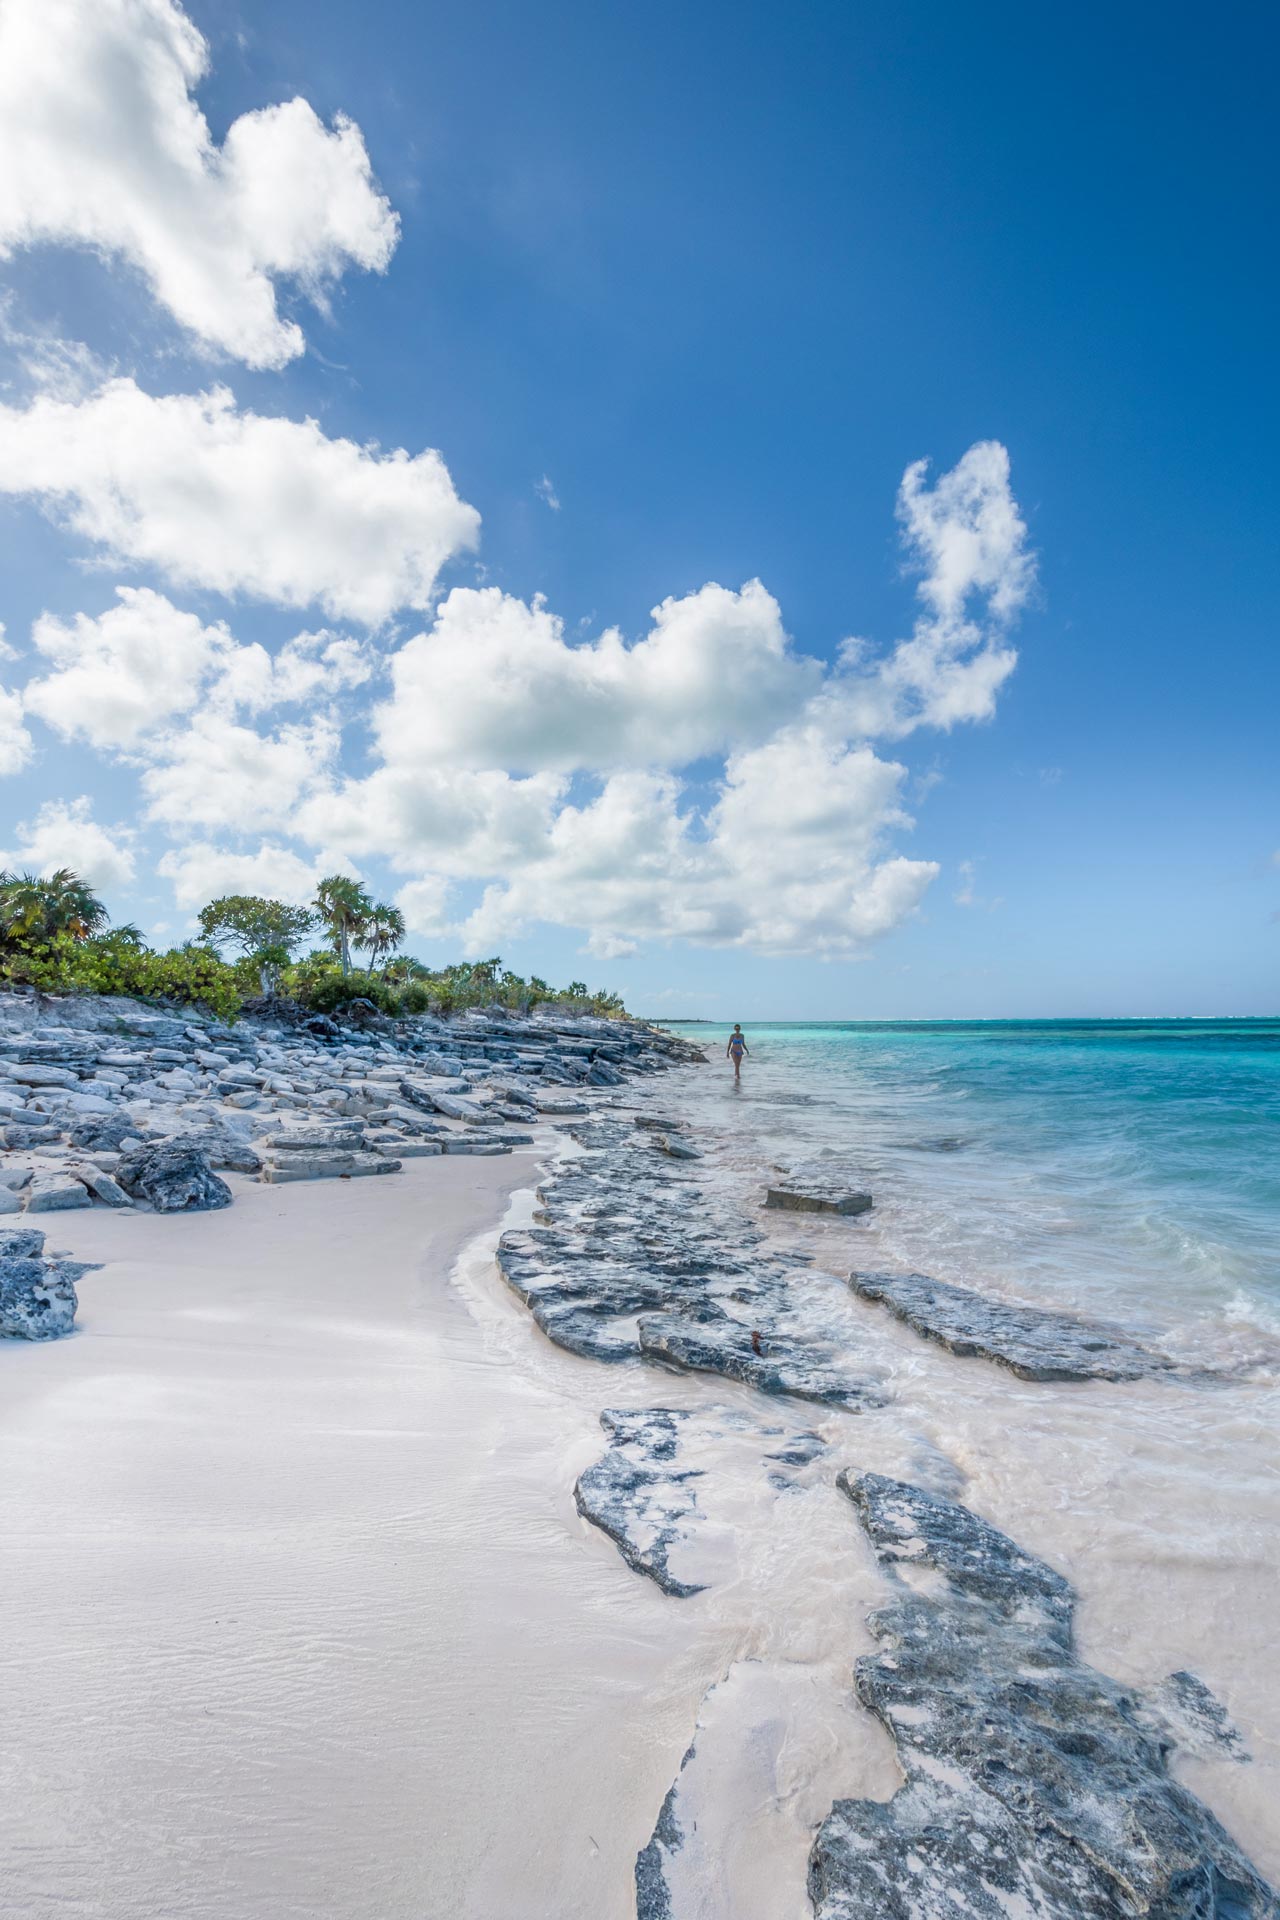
(1034, 1343)
(55, 1193)
(638, 1496)
(797, 1199)
(37, 1295)
(1033, 1784)
(172, 1177)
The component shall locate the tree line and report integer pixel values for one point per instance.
(56, 934)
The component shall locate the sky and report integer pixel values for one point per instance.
(767, 509)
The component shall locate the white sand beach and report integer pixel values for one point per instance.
(300, 1633)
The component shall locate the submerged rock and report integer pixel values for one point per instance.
(1033, 1784)
(812, 1199)
(1032, 1342)
(773, 1362)
(172, 1177)
(638, 1495)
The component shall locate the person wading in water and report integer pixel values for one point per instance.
(736, 1048)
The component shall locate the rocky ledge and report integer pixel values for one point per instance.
(1032, 1342)
(1033, 1784)
(110, 1102)
(633, 1260)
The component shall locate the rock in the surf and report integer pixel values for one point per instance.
(1033, 1784)
(639, 1495)
(814, 1199)
(1032, 1342)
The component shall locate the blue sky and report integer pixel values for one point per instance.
(718, 277)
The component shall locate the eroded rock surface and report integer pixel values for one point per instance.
(1034, 1784)
(632, 1259)
(37, 1292)
(1035, 1344)
(173, 1177)
(85, 1079)
(639, 1495)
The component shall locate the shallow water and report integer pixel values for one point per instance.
(1114, 1167)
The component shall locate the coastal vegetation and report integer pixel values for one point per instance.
(56, 935)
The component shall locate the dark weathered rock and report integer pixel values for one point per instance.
(678, 1149)
(172, 1177)
(796, 1199)
(654, 1123)
(102, 1134)
(638, 1495)
(1033, 1784)
(633, 1259)
(1035, 1344)
(784, 1364)
(37, 1295)
(222, 1148)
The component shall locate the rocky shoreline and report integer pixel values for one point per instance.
(1033, 1784)
(113, 1103)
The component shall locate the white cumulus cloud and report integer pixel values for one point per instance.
(65, 834)
(236, 502)
(16, 744)
(200, 871)
(117, 676)
(102, 145)
(495, 683)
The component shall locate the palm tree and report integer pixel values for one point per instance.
(343, 907)
(383, 932)
(35, 907)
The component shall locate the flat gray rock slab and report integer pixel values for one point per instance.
(1034, 1344)
(813, 1200)
(630, 1258)
(56, 1193)
(1033, 1784)
(639, 1496)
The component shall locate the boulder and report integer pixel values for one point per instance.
(809, 1200)
(677, 1148)
(103, 1186)
(173, 1177)
(56, 1193)
(37, 1296)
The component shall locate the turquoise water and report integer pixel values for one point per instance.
(1126, 1167)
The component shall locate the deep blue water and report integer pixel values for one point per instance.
(1118, 1165)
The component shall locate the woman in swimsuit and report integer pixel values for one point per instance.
(736, 1048)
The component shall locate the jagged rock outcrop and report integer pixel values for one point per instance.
(631, 1258)
(1032, 1342)
(172, 1177)
(37, 1293)
(1033, 1784)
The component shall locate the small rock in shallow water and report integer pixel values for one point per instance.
(638, 1496)
(1034, 1343)
(807, 1200)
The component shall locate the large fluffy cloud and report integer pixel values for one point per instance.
(238, 502)
(64, 833)
(495, 683)
(102, 145)
(117, 677)
(706, 782)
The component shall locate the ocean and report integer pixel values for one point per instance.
(1123, 1168)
